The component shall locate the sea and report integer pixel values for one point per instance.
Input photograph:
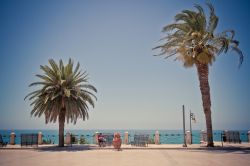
(166, 136)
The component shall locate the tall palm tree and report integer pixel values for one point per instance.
(192, 39)
(64, 94)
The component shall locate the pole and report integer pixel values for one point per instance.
(191, 116)
(184, 130)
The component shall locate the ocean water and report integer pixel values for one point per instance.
(166, 136)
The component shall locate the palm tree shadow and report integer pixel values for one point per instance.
(226, 150)
(73, 148)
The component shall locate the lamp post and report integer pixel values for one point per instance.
(191, 117)
(184, 130)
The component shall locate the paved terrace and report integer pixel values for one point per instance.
(218, 146)
(153, 155)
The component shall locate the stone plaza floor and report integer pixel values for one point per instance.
(174, 155)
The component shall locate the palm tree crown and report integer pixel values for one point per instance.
(192, 38)
(63, 89)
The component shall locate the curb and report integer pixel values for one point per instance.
(75, 148)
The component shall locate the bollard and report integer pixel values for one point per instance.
(126, 138)
(188, 137)
(96, 137)
(157, 138)
(203, 137)
(249, 136)
(40, 138)
(12, 138)
(68, 138)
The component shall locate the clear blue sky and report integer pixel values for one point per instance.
(112, 40)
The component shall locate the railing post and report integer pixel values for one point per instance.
(188, 137)
(40, 138)
(96, 138)
(12, 138)
(249, 136)
(157, 138)
(68, 138)
(126, 138)
(203, 136)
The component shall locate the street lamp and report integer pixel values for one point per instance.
(192, 117)
(184, 130)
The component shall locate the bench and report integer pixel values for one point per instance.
(140, 140)
(230, 137)
(108, 138)
(2, 143)
(29, 140)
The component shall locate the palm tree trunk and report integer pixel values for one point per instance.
(203, 71)
(61, 127)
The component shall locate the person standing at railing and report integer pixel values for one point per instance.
(101, 140)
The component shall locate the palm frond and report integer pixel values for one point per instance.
(39, 83)
(77, 68)
(45, 78)
(49, 72)
(241, 56)
(36, 92)
(53, 65)
(213, 19)
(88, 86)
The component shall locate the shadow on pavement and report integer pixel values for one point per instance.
(66, 148)
(225, 150)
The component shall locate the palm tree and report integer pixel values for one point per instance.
(192, 40)
(63, 94)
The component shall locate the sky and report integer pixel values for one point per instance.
(113, 41)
